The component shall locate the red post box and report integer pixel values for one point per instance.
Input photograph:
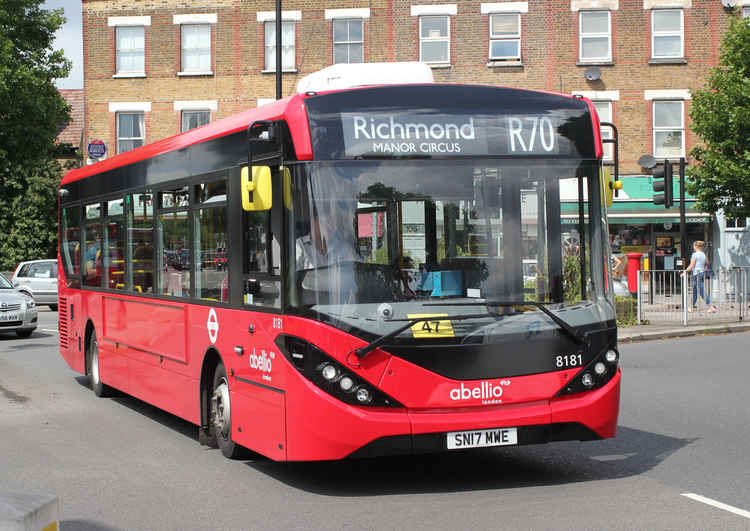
(634, 264)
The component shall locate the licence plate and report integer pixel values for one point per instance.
(9, 316)
(480, 438)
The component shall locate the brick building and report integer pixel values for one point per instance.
(154, 69)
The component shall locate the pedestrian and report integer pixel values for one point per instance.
(699, 267)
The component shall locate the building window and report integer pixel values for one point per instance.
(348, 40)
(505, 36)
(666, 33)
(130, 131)
(669, 129)
(594, 38)
(604, 110)
(130, 49)
(196, 47)
(736, 223)
(193, 119)
(434, 39)
(746, 11)
(287, 45)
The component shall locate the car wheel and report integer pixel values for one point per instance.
(24, 333)
(220, 415)
(97, 386)
(53, 307)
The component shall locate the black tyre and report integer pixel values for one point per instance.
(24, 333)
(92, 357)
(220, 416)
(53, 307)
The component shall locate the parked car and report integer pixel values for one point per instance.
(38, 279)
(18, 311)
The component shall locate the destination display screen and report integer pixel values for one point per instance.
(438, 121)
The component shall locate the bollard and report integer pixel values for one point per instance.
(28, 512)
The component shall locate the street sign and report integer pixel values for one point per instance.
(97, 149)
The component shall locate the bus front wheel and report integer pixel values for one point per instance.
(221, 416)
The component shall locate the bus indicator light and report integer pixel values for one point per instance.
(587, 379)
(346, 383)
(600, 368)
(330, 372)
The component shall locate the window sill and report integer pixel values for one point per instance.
(667, 61)
(735, 229)
(126, 75)
(439, 65)
(189, 74)
(503, 64)
(603, 62)
(283, 71)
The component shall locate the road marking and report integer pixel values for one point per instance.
(48, 330)
(717, 504)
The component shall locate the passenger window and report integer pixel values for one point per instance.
(92, 256)
(114, 256)
(174, 257)
(24, 272)
(261, 267)
(211, 279)
(175, 197)
(140, 221)
(70, 249)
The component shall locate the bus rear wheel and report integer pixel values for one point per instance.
(97, 386)
(220, 415)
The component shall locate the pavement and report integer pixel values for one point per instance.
(646, 332)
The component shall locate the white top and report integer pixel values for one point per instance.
(700, 262)
(349, 75)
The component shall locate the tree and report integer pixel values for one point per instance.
(720, 113)
(31, 114)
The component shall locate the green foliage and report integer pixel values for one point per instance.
(31, 114)
(627, 311)
(28, 213)
(720, 113)
(571, 278)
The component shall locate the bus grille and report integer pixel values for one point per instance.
(62, 321)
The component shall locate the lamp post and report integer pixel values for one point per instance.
(278, 49)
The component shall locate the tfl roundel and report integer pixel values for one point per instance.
(97, 149)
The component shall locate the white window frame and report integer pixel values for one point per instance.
(266, 67)
(440, 39)
(670, 33)
(607, 34)
(746, 12)
(188, 111)
(731, 224)
(347, 43)
(655, 128)
(608, 150)
(515, 37)
(117, 127)
(129, 73)
(183, 70)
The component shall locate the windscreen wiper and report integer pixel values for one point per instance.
(364, 351)
(579, 338)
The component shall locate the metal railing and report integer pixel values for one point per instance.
(679, 296)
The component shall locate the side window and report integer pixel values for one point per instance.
(24, 272)
(173, 240)
(114, 248)
(70, 248)
(92, 248)
(210, 224)
(141, 242)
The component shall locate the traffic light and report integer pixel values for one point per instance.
(662, 182)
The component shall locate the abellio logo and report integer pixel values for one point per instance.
(262, 362)
(488, 392)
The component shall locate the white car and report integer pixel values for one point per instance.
(18, 311)
(38, 279)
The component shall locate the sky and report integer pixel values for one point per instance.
(70, 39)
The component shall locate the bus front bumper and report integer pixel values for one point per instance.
(356, 432)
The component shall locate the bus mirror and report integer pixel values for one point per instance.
(287, 184)
(259, 185)
(609, 186)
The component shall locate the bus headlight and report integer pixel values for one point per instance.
(594, 374)
(611, 356)
(587, 379)
(599, 368)
(331, 376)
